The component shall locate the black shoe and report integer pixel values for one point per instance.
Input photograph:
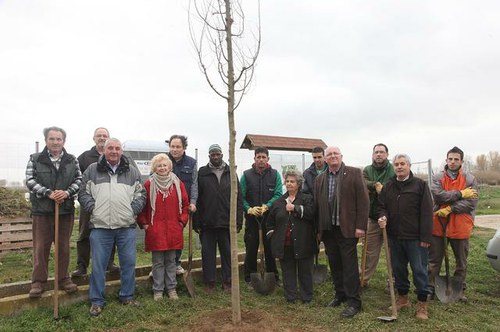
(335, 302)
(350, 312)
(79, 272)
(306, 301)
(113, 268)
(290, 301)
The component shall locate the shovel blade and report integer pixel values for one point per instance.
(263, 283)
(320, 273)
(188, 280)
(448, 292)
(387, 318)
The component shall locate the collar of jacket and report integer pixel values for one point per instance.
(378, 167)
(45, 159)
(102, 165)
(264, 170)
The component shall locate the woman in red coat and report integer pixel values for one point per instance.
(163, 219)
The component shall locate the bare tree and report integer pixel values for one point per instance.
(494, 160)
(481, 162)
(227, 60)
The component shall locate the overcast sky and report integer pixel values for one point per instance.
(420, 76)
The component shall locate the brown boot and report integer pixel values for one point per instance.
(36, 290)
(422, 310)
(68, 286)
(402, 302)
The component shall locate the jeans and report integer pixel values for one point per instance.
(101, 243)
(402, 253)
(164, 271)
(83, 243)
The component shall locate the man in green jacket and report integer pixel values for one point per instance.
(376, 175)
(260, 186)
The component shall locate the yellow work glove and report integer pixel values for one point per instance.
(469, 193)
(264, 208)
(444, 212)
(378, 187)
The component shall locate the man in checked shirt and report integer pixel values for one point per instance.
(53, 176)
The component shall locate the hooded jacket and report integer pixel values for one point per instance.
(113, 199)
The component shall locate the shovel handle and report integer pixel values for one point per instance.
(261, 246)
(363, 259)
(56, 261)
(446, 258)
(389, 273)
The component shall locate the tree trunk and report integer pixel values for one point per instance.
(235, 276)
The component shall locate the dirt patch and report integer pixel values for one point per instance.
(221, 320)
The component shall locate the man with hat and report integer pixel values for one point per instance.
(211, 219)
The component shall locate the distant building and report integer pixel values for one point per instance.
(141, 152)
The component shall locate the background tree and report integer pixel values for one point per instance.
(481, 162)
(494, 161)
(227, 60)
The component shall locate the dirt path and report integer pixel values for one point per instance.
(490, 221)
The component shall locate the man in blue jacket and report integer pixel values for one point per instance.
(186, 169)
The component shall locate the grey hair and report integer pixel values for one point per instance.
(54, 128)
(112, 139)
(295, 174)
(402, 155)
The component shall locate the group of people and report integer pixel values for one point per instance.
(330, 202)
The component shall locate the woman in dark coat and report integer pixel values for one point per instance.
(292, 231)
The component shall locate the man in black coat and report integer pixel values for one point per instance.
(211, 219)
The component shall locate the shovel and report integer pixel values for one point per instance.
(56, 262)
(320, 272)
(188, 278)
(263, 282)
(394, 309)
(448, 289)
(363, 260)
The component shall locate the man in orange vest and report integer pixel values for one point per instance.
(455, 200)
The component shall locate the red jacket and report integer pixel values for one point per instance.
(166, 231)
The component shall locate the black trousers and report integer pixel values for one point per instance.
(210, 239)
(292, 269)
(343, 259)
(252, 248)
(83, 242)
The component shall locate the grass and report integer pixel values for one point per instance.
(480, 314)
(17, 265)
(489, 200)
